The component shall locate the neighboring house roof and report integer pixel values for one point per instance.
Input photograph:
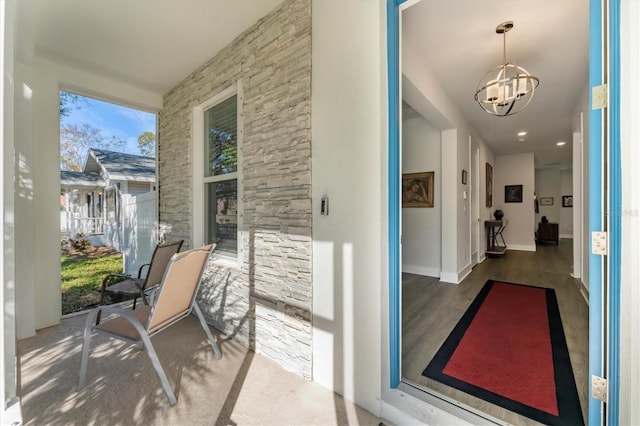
(82, 179)
(121, 166)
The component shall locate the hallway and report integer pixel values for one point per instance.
(431, 309)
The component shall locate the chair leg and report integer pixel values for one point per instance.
(86, 343)
(164, 382)
(134, 301)
(205, 327)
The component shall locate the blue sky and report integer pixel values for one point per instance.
(113, 120)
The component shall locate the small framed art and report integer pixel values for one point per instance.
(513, 193)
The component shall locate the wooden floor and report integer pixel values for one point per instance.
(431, 309)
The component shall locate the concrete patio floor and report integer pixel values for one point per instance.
(242, 388)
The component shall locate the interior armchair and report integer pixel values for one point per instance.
(128, 286)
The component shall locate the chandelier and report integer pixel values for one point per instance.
(507, 88)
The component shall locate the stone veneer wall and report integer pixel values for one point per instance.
(266, 304)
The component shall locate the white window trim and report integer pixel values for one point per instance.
(199, 181)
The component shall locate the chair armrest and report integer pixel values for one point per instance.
(141, 268)
(125, 313)
(152, 292)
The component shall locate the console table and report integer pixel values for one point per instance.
(494, 232)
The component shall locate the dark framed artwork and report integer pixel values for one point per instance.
(417, 189)
(513, 193)
(489, 185)
(567, 201)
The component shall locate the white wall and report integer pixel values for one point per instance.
(39, 303)
(516, 169)
(630, 291)
(349, 167)
(548, 186)
(553, 183)
(422, 92)
(581, 189)
(10, 407)
(421, 230)
(566, 213)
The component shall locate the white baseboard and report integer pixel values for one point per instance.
(12, 414)
(425, 271)
(521, 247)
(449, 277)
(566, 236)
(464, 272)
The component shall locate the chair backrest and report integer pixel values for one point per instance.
(159, 261)
(179, 288)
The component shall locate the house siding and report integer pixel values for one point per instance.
(265, 304)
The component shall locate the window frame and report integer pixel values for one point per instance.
(200, 181)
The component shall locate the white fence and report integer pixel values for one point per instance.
(135, 234)
(139, 230)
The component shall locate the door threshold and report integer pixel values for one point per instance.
(450, 405)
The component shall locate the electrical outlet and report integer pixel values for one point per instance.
(599, 388)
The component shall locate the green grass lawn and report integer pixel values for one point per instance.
(82, 275)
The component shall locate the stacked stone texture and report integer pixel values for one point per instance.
(266, 303)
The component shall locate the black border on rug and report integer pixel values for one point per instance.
(569, 408)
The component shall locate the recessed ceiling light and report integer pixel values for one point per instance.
(523, 133)
(560, 143)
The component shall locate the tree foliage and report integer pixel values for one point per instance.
(147, 144)
(75, 142)
(68, 101)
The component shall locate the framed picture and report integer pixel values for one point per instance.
(417, 189)
(489, 185)
(513, 193)
(567, 201)
(464, 177)
(546, 201)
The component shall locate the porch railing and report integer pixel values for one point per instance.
(85, 225)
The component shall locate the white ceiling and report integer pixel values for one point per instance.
(152, 44)
(457, 41)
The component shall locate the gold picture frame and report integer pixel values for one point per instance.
(489, 185)
(417, 189)
(546, 201)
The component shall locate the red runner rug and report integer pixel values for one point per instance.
(509, 349)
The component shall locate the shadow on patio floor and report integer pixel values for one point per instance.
(122, 388)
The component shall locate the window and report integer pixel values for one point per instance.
(217, 131)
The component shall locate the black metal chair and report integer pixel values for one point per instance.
(128, 286)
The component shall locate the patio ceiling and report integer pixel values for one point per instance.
(154, 44)
(150, 44)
